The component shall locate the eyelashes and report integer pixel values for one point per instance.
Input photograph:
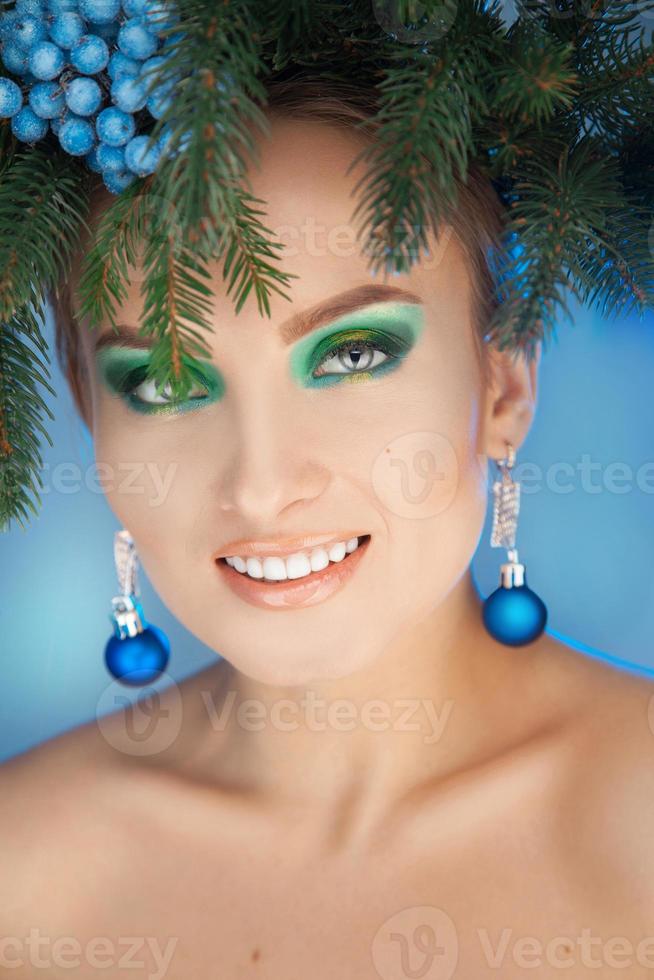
(352, 354)
(372, 351)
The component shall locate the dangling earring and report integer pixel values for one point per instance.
(137, 653)
(513, 614)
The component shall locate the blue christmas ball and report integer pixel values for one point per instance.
(128, 93)
(83, 96)
(15, 58)
(89, 55)
(134, 8)
(27, 126)
(114, 126)
(99, 11)
(514, 616)
(138, 659)
(120, 65)
(46, 60)
(117, 182)
(47, 99)
(76, 136)
(91, 160)
(11, 98)
(139, 159)
(135, 40)
(67, 29)
(110, 158)
(28, 31)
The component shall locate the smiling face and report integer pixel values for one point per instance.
(356, 410)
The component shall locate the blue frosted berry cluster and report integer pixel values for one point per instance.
(85, 67)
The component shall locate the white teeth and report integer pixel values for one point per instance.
(274, 568)
(298, 565)
(319, 559)
(337, 551)
(254, 568)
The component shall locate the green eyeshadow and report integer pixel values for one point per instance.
(122, 369)
(392, 328)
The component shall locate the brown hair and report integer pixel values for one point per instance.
(477, 222)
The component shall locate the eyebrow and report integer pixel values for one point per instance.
(290, 330)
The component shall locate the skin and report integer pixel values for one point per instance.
(516, 793)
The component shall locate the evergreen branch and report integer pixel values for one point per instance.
(411, 181)
(23, 372)
(43, 204)
(105, 266)
(540, 79)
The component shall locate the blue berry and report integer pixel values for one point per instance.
(114, 126)
(159, 16)
(11, 98)
(7, 22)
(159, 103)
(117, 182)
(61, 6)
(46, 60)
(129, 94)
(135, 40)
(28, 31)
(99, 11)
(47, 99)
(111, 157)
(120, 64)
(67, 29)
(89, 55)
(134, 8)
(15, 58)
(91, 160)
(139, 160)
(83, 96)
(29, 8)
(76, 136)
(27, 126)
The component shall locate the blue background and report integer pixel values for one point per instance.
(588, 554)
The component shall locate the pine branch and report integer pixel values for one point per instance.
(42, 208)
(23, 373)
(105, 269)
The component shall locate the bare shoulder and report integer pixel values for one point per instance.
(74, 797)
(606, 812)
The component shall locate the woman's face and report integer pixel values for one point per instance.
(284, 437)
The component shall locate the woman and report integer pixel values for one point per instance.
(365, 783)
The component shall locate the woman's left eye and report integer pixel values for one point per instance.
(352, 357)
(146, 392)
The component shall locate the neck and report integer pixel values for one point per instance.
(441, 698)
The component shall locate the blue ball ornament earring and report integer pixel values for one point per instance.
(138, 652)
(513, 614)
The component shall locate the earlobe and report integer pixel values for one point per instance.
(510, 399)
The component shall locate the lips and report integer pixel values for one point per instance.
(283, 547)
(294, 593)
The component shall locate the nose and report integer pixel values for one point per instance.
(273, 467)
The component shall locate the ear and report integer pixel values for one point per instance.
(510, 399)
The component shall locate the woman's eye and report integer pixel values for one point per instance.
(351, 358)
(147, 392)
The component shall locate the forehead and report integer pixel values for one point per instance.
(301, 180)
